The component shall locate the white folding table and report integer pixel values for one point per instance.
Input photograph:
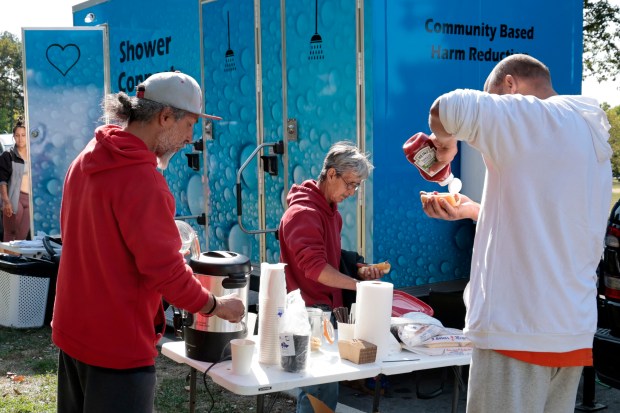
(324, 366)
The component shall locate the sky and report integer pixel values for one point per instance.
(58, 13)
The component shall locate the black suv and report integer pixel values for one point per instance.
(607, 338)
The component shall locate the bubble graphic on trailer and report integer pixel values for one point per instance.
(229, 69)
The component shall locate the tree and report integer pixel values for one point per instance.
(613, 114)
(11, 81)
(601, 32)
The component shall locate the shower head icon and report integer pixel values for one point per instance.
(229, 57)
(316, 42)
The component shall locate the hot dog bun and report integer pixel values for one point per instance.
(384, 267)
(426, 196)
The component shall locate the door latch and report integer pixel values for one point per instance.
(291, 129)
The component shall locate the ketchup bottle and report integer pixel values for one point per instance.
(421, 152)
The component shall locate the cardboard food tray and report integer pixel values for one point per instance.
(357, 351)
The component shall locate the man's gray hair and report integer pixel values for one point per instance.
(124, 109)
(346, 157)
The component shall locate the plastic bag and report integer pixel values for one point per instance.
(417, 334)
(294, 333)
(426, 335)
(421, 327)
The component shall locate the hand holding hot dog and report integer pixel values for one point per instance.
(438, 207)
(373, 271)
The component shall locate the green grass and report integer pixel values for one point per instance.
(30, 357)
(37, 394)
(615, 193)
(29, 361)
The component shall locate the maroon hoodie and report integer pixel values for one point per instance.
(309, 236)
(120, 254)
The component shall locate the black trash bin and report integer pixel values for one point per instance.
(27, 291)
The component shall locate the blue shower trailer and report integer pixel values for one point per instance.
(290, 78)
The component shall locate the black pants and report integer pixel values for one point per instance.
(90, 389)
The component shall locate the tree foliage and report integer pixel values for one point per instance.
(601, 33)
(11, 81)
(613, 114)
(601, 60)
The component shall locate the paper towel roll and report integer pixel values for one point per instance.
(271, 302)
(373, 314)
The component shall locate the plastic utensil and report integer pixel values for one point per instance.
(328, 330)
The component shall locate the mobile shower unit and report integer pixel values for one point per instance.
(290, 78)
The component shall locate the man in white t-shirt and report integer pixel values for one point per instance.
(531, 299)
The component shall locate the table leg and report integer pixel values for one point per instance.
(192, 390)
(377, 396)
(588, 400)
(457, 387)
(260, 403)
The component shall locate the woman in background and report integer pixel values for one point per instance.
(15, 187)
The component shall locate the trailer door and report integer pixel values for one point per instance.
(285, 80)
(64, 82)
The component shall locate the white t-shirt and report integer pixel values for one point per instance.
(542, 221)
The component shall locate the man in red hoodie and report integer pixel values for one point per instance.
(121, 251)
(309, 237)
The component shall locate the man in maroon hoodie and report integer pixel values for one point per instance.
(121, 254)
(309, 237)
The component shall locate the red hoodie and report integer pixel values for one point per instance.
(309, 236)
(120, 254)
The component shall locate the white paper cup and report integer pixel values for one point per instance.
(242, 351)
(345, 331)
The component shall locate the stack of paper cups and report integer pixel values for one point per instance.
(374, 314)
(271, 303)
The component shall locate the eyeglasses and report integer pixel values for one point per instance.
(350, 186)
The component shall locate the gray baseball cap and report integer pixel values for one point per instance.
(174, 89)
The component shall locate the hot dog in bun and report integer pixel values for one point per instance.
(384, 267)
(450, 198)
